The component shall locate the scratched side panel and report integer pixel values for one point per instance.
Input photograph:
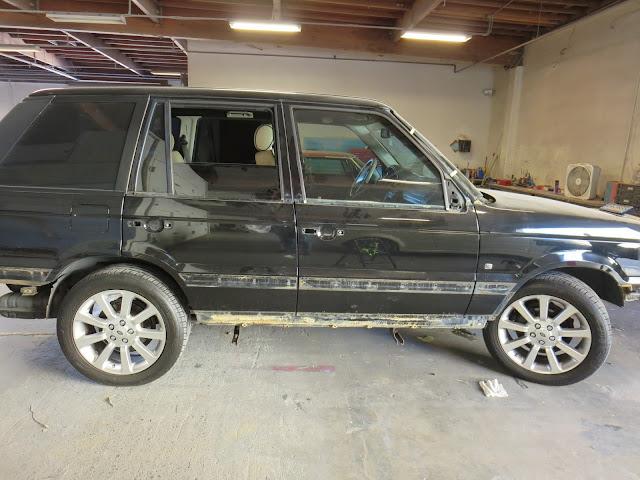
(229, 255)
(39, 238)
(388, 260)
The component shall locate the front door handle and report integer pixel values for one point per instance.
(324, 232)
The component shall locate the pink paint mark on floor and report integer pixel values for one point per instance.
(304, 368)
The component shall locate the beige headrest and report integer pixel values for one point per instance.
(263, 138)
(173, 142)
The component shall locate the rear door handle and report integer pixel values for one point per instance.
(153, 225)
(324, 232)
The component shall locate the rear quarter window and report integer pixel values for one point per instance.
(70, 145)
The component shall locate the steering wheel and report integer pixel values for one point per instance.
(364, 176)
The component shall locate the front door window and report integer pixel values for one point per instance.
(363, 157)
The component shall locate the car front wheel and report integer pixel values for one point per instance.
(555, 331)
(122, 326)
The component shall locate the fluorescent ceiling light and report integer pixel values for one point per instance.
(266, 26)
(438, 36)
(166, 74)
(97, 18)
(19, 48)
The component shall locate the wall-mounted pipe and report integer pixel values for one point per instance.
(556, 30)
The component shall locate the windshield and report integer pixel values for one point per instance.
(452, 170)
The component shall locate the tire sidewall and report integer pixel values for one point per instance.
(598, 323)
(88, 287)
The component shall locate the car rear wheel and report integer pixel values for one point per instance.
(555, 331)
(122, 326)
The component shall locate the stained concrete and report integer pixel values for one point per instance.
(304, 403)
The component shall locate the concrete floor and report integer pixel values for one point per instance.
(365, 409)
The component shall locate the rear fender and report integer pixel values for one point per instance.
(79, 269)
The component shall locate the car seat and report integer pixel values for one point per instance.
(263, 141)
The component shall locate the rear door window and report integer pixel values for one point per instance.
(70, 145)
(227, 153)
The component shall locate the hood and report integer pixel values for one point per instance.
(516, 213)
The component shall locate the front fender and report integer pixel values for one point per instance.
(572, 258)
(562, 260)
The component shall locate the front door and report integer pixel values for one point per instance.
(377, 235)
(208, 205)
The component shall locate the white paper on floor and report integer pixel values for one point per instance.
(492, 388)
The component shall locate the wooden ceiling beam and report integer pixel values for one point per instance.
(340, 39)
(23, 4)
(312, 17)
(480, 24)
(483, 12)
(97, 45)
(420, 10)
(150, 8)
(502, 18)
(277, 10)
(34, 63)
(179, 10)
(369, 4)
(443, 27)
(215, 4)
(568, 3)
(516, 6)
(359, 12)
(400, 6)
(52, 62)
(181, 44)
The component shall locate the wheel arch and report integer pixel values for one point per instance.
(77, 270)
(603, 274)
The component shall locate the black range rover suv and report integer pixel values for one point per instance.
(128, 213)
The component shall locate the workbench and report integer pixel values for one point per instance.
(544, 193)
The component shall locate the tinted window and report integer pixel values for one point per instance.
(70, 145)
(14, 124)
(363, 157)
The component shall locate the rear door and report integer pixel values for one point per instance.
(64, 167)
(212, 208)
(384, 237)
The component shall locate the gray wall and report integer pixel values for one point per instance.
(440, 104)
(579, 101)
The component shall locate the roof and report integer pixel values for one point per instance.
(191, 92)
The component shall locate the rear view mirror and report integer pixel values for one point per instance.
(384, 133)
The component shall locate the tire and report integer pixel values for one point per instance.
(567, 346)
(114, 348)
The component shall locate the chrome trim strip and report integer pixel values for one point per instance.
(283, 282)
(20, 274)
(633, 281)
(211, 280)
(367, 320)
(385, 285)
(493, 288)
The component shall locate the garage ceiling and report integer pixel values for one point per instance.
(155, 33)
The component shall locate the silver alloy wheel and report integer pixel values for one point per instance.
(544, 334)
(120, 332)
